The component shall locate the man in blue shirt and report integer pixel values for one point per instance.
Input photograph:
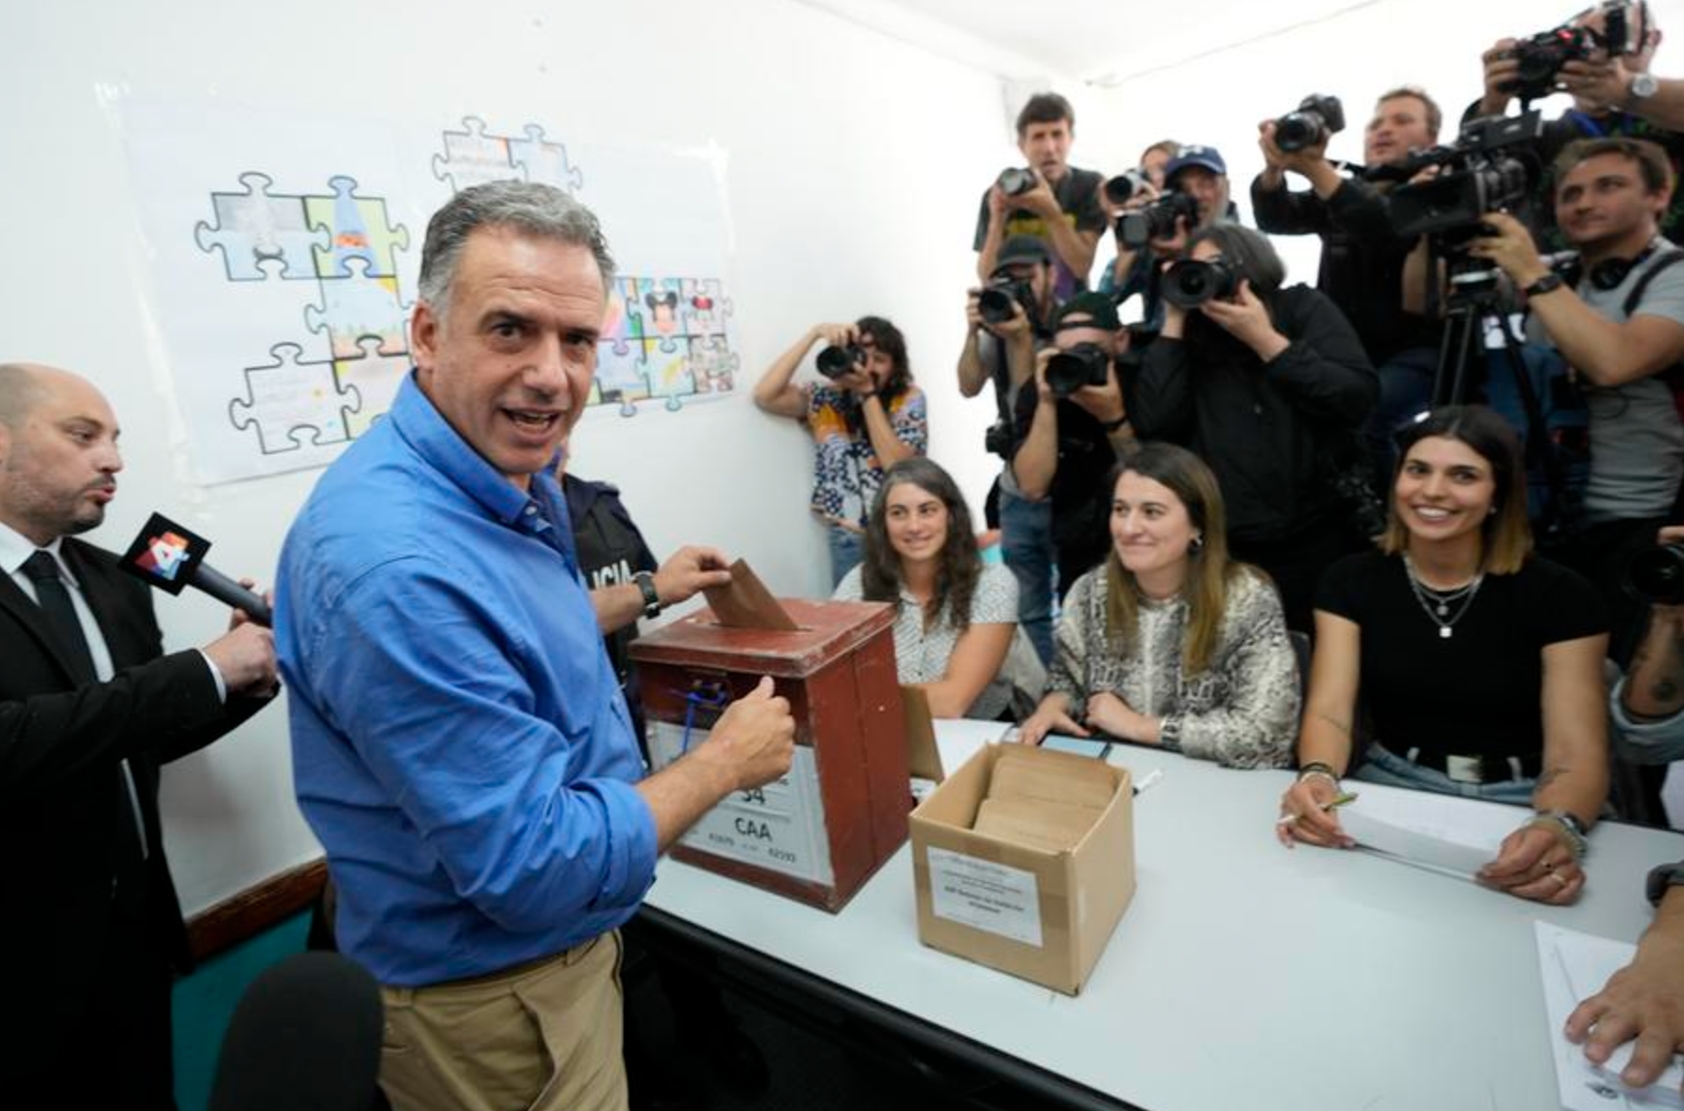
(460, 744)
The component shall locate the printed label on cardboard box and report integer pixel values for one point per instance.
(989, 896)
(779, 827)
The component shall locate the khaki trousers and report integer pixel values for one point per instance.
(544, 1035)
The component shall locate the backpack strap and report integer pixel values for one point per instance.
(1665, 262)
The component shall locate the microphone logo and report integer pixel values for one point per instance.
(164, 556)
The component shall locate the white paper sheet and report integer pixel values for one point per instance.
(1441, 833)
(1574, 966)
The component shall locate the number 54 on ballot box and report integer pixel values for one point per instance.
(822, 830)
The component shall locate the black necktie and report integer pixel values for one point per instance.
(60, 612)
(55, 603)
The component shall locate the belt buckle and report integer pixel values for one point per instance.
(1465, 769)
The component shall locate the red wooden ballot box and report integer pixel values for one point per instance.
(818, 833)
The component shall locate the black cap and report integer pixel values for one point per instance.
(1100, 310)
(1020, 249)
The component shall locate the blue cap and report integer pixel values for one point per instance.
(1208, 157)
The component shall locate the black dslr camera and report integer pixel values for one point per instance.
(1317, 118)
(1542, 55)
(1191, 282)
(1487, 169)
(995, 301)
(1014, 181)
(833, 362)
(1085, 364)
(1156, 220)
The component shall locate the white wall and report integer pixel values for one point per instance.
(855, 162)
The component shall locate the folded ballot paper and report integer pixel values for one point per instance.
(1441, 833)
(1573, 966)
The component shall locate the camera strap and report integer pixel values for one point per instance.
(1673, 375)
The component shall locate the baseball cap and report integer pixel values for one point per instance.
(1208, 157)
(1022, 248)
(1100, 310)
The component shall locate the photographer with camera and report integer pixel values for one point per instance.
(1601, 58)
(1072, 427)
(1006, 323)
(1619, 329)
(1258, 380)
(1363, 261)
(1151, 226)
(865, 420)
(1048, 199)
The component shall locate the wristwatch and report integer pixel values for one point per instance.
(1643, 86)
(1549, 283)
(1667, 875)
(651, 599)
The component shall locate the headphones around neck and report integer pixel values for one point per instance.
(1610, 272)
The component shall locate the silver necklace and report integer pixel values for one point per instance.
(1436, 603)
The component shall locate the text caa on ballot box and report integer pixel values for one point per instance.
(822, 830)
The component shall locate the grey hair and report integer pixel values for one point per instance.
(531, 207)
(20, 391)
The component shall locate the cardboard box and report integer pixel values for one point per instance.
(821, 831)
(1041, 913)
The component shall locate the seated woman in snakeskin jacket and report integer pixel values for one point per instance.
(1168, 642)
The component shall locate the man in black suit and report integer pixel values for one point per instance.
(90, 707)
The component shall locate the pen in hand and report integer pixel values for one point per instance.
(1341, 799)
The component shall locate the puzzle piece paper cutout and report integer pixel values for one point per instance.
(472, 157)
(375, 378)
(356, 228)
(294, 404)
(545, 161)
(703, 307)
(256, 227)
(359, 306)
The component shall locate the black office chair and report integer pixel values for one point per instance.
(305, 1037)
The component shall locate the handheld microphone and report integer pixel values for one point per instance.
(305, 1037)
(170, 557)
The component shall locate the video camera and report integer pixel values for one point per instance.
(1156, 220)
(833, 362)
(1541, 56)
(1317, 118)
(1191, 282)
(1488, 168)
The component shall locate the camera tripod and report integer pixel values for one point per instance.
(1475, 303)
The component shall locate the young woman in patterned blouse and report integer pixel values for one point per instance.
(956, 617)
(1169, 642)
(867, 417)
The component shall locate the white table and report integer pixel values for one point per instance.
(1244, 976)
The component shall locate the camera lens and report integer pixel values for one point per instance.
(1657, 575)
(995, 305)
(1297, 130)
(1015, 181)
(1066, 373)
(1191, 282)
(1125, 185)
(833, 362)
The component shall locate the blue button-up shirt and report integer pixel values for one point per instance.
(460, 744)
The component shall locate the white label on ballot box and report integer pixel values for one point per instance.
(986, 895)
(779, 827)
